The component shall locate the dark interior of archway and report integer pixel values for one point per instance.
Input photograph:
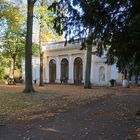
(52, 71)
(64, 71)
(78, 71)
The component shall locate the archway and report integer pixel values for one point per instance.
(64, 70)
(52, 71)
(78, 70)
(102, 74)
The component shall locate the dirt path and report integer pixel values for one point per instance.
(106, 118)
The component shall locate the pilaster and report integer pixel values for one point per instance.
(47, 70)
(58, 70)
(71, 69)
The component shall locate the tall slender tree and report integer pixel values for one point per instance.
(28, 48)
(40, 44)
(44, 18)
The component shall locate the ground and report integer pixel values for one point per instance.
(67, 112)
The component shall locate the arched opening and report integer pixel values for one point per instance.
(64, 70)
(102, 74)
(52, 71)
(78, 70)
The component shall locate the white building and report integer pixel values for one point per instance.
(67, 64)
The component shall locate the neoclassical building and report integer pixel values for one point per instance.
(66, 64)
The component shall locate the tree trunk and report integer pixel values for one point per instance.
(11, 76)
(40, 47)
(41, 69)
(28, 49)
(88, 67)
(11, 73)
(89, 43)
(125, 74)
(41, 56)
(136, 79)
(12, 68)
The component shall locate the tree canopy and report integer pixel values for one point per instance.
(114, 26)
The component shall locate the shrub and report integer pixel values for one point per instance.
(112, 82)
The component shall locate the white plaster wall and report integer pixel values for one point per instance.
(58, 69)
(71, 55)
(98, 82)
(71, 69)
(35, 69)
(114, 72)
(23, 70)
(92, 70)
(47, 70)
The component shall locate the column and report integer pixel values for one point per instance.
(84, 66)
(58, 70)
(71, 68)
(44, 68)
(47, 70)
(92, 73)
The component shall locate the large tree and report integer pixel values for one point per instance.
(112, 23)
(13, 48)
(123, 35)
(12, 34)
(11, 17)
(28, 48)
(79, 20)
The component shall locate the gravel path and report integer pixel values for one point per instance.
(109, 117)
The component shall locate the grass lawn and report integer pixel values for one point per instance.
(47, 101)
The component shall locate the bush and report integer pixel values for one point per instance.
(112, 82)
(18, 80)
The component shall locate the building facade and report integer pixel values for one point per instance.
(66, 64)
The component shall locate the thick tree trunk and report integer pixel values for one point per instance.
(88, 67)
(28, 49)
(89, 43)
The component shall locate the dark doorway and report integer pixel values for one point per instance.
(64, 70)
(78, 70)
(52, 71)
